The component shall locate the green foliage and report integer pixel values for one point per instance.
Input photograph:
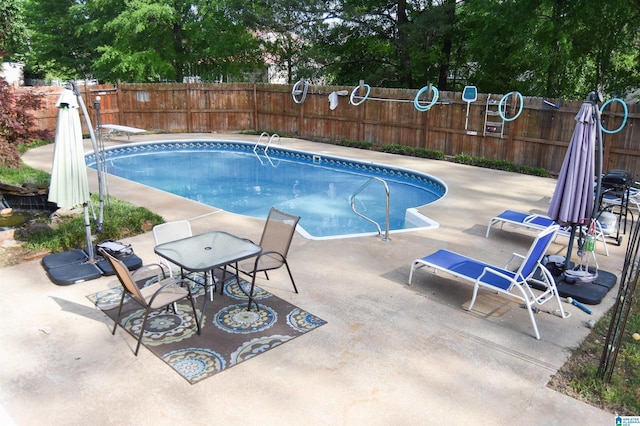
(499, 165)
(286, 27)
(270, 133)
(12, 28)
(22, 148)
(17, 123)
(547, 48)
(122, 219)
(24, 174)
(414, 152)
(138, 41)
(551, 48)
(58, 49)
(356, 144)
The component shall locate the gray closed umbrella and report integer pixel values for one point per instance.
(573, 199)
(69, 185)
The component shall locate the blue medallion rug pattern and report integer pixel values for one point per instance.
(230, 333)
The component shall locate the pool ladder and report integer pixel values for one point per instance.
(266, 147)
(353, 207)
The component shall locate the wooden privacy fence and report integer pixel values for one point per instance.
(538, 137)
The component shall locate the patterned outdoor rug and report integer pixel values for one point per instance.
(230, 333)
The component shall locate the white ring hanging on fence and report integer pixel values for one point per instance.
(416, 100)
(363, 98)
(624, 120)
(296, 91)
(520, 98)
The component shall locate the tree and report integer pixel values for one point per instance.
(17, 123)
(399, 43)
(551, 48)
(12, 28)
(169, 39)
(285, 31)
(57, 47)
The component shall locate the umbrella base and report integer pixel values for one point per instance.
(70, 267)
(73, 267)
(132, 262)
(587, 293)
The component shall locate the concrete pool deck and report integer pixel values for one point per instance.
(390, 353)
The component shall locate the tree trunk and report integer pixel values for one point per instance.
(447, 43)
(405, 60)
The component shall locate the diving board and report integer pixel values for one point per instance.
(116, 128)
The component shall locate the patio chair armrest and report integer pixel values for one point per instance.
(513, 256)
(162, 269)
(170, 282)
(488, 270)
(149, 272)
(265, 253)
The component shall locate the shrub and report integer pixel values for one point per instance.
(413, 152)
(356, 144)
(499, 165)
(17, 124)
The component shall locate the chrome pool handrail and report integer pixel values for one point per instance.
(353, 206)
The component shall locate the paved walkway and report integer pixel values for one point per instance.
(391, 354)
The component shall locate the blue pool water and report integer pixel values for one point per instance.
(234, 177)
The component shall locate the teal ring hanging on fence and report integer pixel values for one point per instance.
(296, 91)
(364, 98)
(520, 98)
(624, 120)
(416, 100)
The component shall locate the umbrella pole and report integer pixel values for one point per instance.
(87, 228)
(593, 98)
(96, 153)
(572, 236)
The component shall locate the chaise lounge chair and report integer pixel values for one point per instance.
(513, 283)
(538, 222)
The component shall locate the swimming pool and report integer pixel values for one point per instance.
(236, 177)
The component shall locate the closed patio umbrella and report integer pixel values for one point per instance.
(69, 185)
(573, 199)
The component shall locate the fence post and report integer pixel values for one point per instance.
(359, 114)
(255, 107)
(187, 93)
(301, 118)
(119, 99)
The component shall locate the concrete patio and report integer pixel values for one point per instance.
(390, 354)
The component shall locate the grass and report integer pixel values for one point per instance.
(122, 220)
(579, 376)
(24, 174)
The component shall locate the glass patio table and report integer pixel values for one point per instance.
(206, 252)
